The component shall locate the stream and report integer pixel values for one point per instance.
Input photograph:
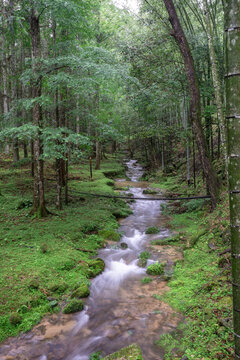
(120, 310)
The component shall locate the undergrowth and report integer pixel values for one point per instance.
(55, 252)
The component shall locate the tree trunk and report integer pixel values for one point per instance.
(216, 78)
(25, 151)
(232, 26)
(195, 105)
(39, 208)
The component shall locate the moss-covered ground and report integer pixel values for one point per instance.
(44, 261)
(201, 285)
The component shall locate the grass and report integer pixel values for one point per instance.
(201, 285)
(48, 251)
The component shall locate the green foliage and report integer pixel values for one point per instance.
(146, 280)
(73, 306)
(194, 205)
(152, 230)
(155, 269)
(96, 356)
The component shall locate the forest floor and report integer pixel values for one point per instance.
(201, 286)
(44, 261)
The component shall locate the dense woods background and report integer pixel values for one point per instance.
(84, 80)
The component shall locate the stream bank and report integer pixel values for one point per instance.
(121, 308)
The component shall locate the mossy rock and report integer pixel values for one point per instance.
(96, 267)
(34, 284)
(81, 292)
(152, 230)
(59, 288)
(132, 352)
(73, 306)
(124, 245)
(122, 213)
(37, 300)
(155, 269)
(142, 263)
(15, 319)
(109, 235)
(150, 192)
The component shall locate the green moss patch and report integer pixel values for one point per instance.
(132, 352)
(73, 306)
(109, 235)
(152, 230)
(155, 269)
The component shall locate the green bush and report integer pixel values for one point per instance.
(152, 230)
(73, 306)
(194, 205)
(155, 269)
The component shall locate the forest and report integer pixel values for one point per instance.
(119, 179)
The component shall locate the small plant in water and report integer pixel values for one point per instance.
(146, 280)
(96, 356)
(152, 230)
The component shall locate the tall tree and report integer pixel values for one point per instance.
(232, 26)
(195, 103)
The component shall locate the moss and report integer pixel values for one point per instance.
(15, 319)
(155, 269)
(132, 352)
(81, 292)
(150, 192)
(67, 265)
(109, 235)
(122, 213)
(96, 267)
(73, 306)
(34, 284)
(44, 248)
(152, 230)
(59, 288)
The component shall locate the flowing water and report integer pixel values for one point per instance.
(120, 310)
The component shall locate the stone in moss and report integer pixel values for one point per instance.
(142, 263)
(124, 245)
(81, 292)
(155, 269)
(23, 309)
(96, 267)
(152, 230)
(73, 306)
(15, 319)
(34, 284)
(122, 213)
(59, 288)
(109, 235)
(150, 192)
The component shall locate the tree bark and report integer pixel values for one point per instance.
(232, 31)
(39, 208)
(195, 104)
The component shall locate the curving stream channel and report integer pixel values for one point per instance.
(121, 310)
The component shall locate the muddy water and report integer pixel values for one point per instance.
(121, 310)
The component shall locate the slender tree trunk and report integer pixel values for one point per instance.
(25, 151)
(232, 26)
(195, 105)
(216, 78)
(39, 208)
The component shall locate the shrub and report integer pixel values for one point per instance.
(73, 306)
(194, 205)
(152, 230)
(155, 269)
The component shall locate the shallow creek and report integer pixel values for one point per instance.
(121, 310)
